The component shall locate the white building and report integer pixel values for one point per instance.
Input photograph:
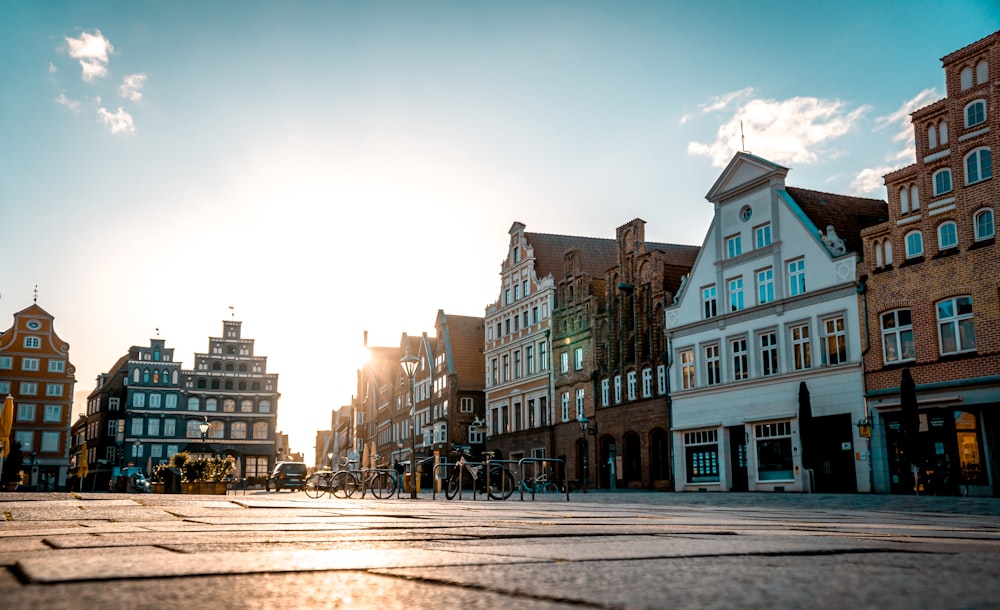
(770, 305)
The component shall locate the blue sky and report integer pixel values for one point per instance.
(334, 167)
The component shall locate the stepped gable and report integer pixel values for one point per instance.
(848, 215)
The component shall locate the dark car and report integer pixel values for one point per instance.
(287, 475)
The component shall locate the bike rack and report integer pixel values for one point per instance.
(520, 474)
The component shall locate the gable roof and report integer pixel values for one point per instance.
(596, 255)
(745, 171)
(848, 215)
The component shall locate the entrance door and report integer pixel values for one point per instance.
(833, 454)
(738, 458)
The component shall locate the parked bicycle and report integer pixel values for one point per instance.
(539, 485)
(340, 483)
(499, 483)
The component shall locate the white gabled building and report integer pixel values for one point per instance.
(771, 308)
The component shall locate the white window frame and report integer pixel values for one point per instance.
(981, 167)
(942, 181)
(837, 334)
(970, 109)
(941, 231)
(734, 245)
(57, 366)
(709, 302)
(983, 230)
(740, 358)
(767, 343)
(688, 369)
(630, 384)
(952, 325)
(713, 365)
(578, 358)
(580, 403)
(29, 364)
(914, 241)
(796, 277)
(801, 346)
(605, 392)
(32, 342)
(661, 379)
(897, 336)
(765, 285)
(647, 383)
(736, 302)
(762, 236)
(565, 406)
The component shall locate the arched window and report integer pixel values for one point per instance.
(229, 385)
(211, 404)
(145, 375)
(255, 386)
(135, 375)
(888, 252)
(265, 406)
(156, 376)
(942, 181)
(193, 404)
(983, 220)
(982, 72)
(975, 113)
(260, 430)
(193, 431)
(878, 254)
(947, 235)
(904, 201)
(229, 405)
(943, 133)
(914, 244)
(246, 405)
(978, 166)
(216, 366)
(932, 137)
(229, 367)
(243, 368)
(242, 386)
(215, 384)
(202, 384)
(238, 430)
(216, 429)
(965, 77)
(914, 198)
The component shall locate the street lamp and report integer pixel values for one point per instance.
(135, 452)
(584, 425)
(203, 426)
(329, 456)
(409, 364)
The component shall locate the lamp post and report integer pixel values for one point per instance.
(135, 452)
(203, 426)
(409, 364)
(329, 457)
(584, 424)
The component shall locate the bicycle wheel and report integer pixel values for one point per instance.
(456, 480)
(550, 488)
(382, 485)
(501, 483)
(315, 486)
(344, 484)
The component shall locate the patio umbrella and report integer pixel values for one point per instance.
(365, 456)
(805, 423)
(910, 424)
(6, 422)
(83, 467)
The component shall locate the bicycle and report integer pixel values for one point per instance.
(465, 475)
(379, 481)
(340, 484)
(539, 485)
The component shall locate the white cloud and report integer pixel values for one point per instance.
(720, 102)
(73, 105)
(870, 180)
(796, 130)
(131, 87)
(92, 50)
(119, 122)
(52, 68)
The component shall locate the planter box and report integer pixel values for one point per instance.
(158, 488)
(214, 488)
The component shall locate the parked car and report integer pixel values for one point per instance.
(287, 475)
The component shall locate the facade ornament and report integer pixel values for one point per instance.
(833, 242)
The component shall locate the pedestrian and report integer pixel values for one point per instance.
(398, 469)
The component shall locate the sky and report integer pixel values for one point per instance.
(330, 168)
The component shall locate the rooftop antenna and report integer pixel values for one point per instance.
(36, 294)
(232, 311)
(157, 331)
(743, 142)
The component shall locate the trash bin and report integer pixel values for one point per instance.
(406, 482)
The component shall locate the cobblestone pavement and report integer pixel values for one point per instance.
(597, 550)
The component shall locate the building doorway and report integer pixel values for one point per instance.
(632, 462)
(738, 458)
(832, 454)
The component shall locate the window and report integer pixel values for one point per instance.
(765, 285)
(170, 429)
(171, 401)
(978, 166)
(264, 406)
(774, 451)
(687, 369)
(709, 307)
(29, 388)
(137, 426)
(229, 405)
(797, 277)
(734, 246)
(216, 429)
(932, 137)
(943, 133)
(25, 412)
(57, 366)
(712, 371)
(647, 383)
(801, 351)
(29, 364)
(701, 456)
(32, 342)
(529, 354)
(942, 182)
(543, 356)
(578, 358)
(914, 244)
(904, 200)
(768, 353)
(975, 113)
(139, 400)
(113, 403)
(6, 362)
(965, 77)
(983, 221)
(618, 389)
(630, 383)
(579, 403)
(565, 406)
(238, 429)
(52, 414)
(246, 406)
(50, 442)
(762, 236)
(605, 393)
(914, 198)
(154, 400)
(955, 327)
(193, 403)
(835, 341)
(564, 362)
(897, 336)
(465, 404)
(736, 294)
(947, 235)
(982, 72)
(518, 371)
(661, 379)
(738, 347)
(153, 427)
(260, 430)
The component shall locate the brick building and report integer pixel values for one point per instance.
(35, 370)
(931, 290)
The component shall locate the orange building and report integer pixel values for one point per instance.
(35, 370)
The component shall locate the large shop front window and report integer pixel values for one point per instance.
(701, 456)
(774, 451)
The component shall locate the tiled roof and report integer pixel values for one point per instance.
(465, 334)
(848, 215)
(597, 256)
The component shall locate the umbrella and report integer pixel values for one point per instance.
(83, 467)
(805, 422)
(910, 423)
(6, 422)
(365, 456)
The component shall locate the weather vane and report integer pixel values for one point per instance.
(232, 311)
(36, 294)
